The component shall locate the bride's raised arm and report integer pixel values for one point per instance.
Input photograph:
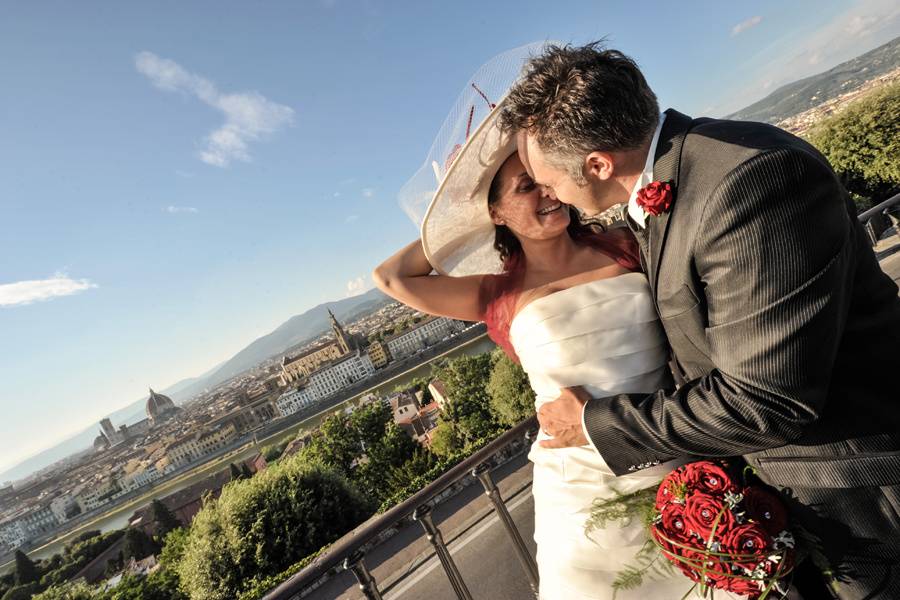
(406, 276)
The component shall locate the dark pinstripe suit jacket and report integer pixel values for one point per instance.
(781, 322)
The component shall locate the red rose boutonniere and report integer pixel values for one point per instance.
(655, 198)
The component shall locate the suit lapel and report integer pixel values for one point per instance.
(665, 168)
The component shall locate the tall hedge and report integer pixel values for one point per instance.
(260, 526)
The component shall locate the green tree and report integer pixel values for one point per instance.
(235, 472)
(402, 476)
(511, 396)
(137, 545)
(862, 143)
(394, 448)
(273, 452)
(444, 439)
(173, 547)
(335, 444)
(261, 526)
(83, 537)
(370, 437)
(114, 565)
(368, 423)
(163, 519)
(22, 592)
(245, 471)
(391, 451)
(468, 406)
(26, 571)
(7, 580)
(159, 585)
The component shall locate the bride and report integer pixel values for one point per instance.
(571, 305)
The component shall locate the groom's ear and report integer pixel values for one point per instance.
(599, 165)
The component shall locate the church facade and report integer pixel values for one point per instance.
(300, 367)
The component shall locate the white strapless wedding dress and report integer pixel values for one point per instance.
(605, 336)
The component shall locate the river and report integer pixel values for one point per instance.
(117, 518)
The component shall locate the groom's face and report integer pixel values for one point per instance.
(590, 197)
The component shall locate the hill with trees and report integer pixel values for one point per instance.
(804, 94)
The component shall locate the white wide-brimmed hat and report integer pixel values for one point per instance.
(448, 195)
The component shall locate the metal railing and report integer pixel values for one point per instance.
(348, 550)
(881, 208)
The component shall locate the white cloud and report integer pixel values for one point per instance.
(358, 286)
(745, 25)
(351, 218)
(36, 290)
(249, 116)
(174, 210)
(860, 25)
(368, 192)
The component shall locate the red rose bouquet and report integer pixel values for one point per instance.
(720, 534)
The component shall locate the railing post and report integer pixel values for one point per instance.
(367, 584)
(423, 515)
(870, 230)
(483, 473)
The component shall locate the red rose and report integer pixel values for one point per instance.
(708, 477)
(766, 509)
(745, 587)
(691, 570)
(655, 198)
(674, 524)
(669, 488)
(746, 539)
(677, 554)
(716, 570)
(701, 511)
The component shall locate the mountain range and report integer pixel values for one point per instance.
(296, 331)
(794, 98)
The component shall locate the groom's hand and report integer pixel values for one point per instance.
(561, 418)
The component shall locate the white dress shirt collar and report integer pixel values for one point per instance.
(635, 211)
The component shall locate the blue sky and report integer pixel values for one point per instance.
(178, 178)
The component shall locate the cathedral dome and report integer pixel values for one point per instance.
(159, 406)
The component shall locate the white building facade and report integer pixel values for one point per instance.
(64, 507)
(295, 400)
(340, 374)
(95, 495)
(197, 445)
(39, 520)
(12, 533)
(424, 334)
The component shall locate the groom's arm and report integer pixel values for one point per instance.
(775, 253)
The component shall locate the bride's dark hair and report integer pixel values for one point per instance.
(506, 242)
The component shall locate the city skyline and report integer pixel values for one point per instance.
(171, 179)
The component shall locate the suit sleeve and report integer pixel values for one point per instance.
(774, 253)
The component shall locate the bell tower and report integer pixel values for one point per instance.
(340, 336)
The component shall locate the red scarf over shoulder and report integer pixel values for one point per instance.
(499, 294)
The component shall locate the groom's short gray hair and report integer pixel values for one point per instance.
(579, 99)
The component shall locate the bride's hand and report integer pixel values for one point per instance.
(561, 418)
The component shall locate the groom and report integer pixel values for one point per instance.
(785, 332)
